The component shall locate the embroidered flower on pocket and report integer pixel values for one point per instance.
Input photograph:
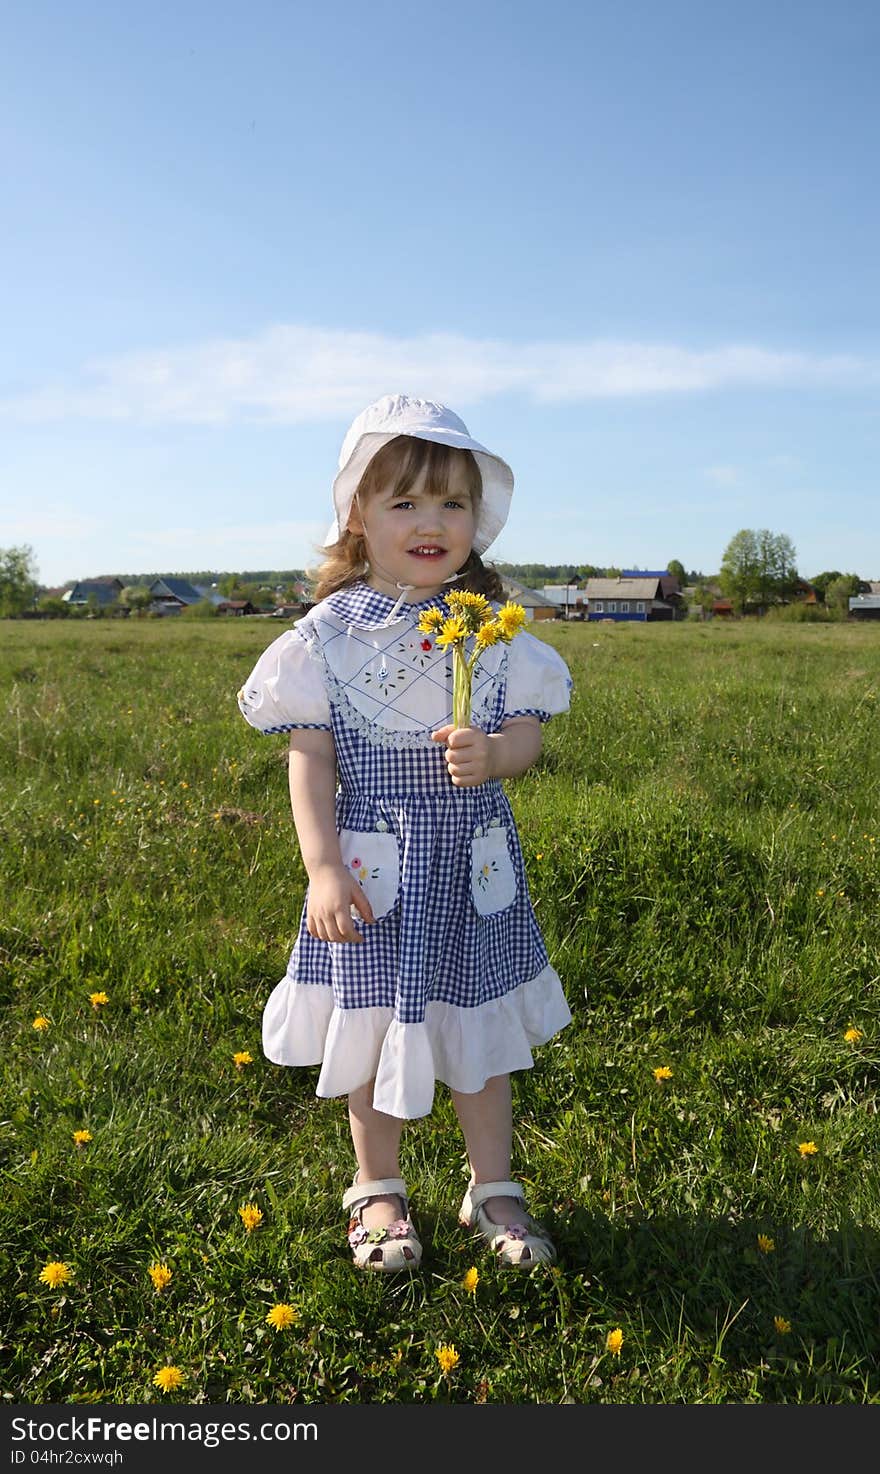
(372, 859)
(493, 881)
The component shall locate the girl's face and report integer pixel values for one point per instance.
(415, 538)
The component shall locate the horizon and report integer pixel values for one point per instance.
(636, 253)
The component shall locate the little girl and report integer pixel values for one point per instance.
(418, 957)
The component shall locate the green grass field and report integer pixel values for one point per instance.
(701, 838)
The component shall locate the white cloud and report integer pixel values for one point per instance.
(291, 374)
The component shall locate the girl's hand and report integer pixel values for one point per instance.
(332, 894)
(468, 754)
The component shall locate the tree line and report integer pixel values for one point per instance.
(758, 570)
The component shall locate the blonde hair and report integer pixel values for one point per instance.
(397, 465)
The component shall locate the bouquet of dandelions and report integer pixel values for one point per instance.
(469, 628)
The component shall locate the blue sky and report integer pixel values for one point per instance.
(633, 245)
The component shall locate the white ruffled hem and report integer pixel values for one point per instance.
(462, 1047)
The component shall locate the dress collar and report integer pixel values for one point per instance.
(363, 607)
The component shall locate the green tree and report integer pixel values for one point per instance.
(53, 606)
(822, 580)
(136, 597)
(758, 568)
(18, 580)
(703, 599)
(677, 569)
(840, 590)
(204, 609)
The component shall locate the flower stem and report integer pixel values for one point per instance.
(461, 687)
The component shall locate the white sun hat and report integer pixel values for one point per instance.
(400, 414)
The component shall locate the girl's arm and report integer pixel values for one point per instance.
(332, 889)
(472, 756)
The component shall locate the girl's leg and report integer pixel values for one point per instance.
(376, 1140)
(486, 1120)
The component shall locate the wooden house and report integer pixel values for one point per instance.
(645, 597)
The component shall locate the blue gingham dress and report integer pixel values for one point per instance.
(452, 980)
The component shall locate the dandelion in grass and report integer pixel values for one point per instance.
(281, 1317)
(470, 618)
(765, 1243)
(853, 1035)
(447, 1356)
(251, 1216)
(241, 1058)
(807, 1148)
(783, 1326)
(820, 892)
(471, 1280)
(662, 1072)
(614, 1341)
(82, 1138)
(55, 1274)
(168, 1378)
(160, 1274)
(40, 1023)
(98, 1000)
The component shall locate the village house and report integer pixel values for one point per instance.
(102, 592)
(535, 604)
(865, 606)
(235, 606)
(567, 598)
(638, 596)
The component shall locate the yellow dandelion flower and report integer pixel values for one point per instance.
(453, 630)
(243, 1057)
(782, 1325)
(282, 1317)
(474, 609)
(820, 892)
(160, 1274)
(614, 1341)
(853, 1035)
(807, 1148)
(80, 1138)
(98, 1000)
(662, 1072)
(765, 1243)
(448, 1357)
(488, 634)
(471, 1280)
(464, 599)
(168, 1378)
(55, 1273)
(40, 1022)
(431, 620)
(511, 618)
(251, 1216)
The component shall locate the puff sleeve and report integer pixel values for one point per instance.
(285, 689)
(538, 681)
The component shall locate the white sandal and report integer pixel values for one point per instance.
(383, 1249)
(514, 1243)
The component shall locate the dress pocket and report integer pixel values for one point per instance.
(493, 882)
(373, 859)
